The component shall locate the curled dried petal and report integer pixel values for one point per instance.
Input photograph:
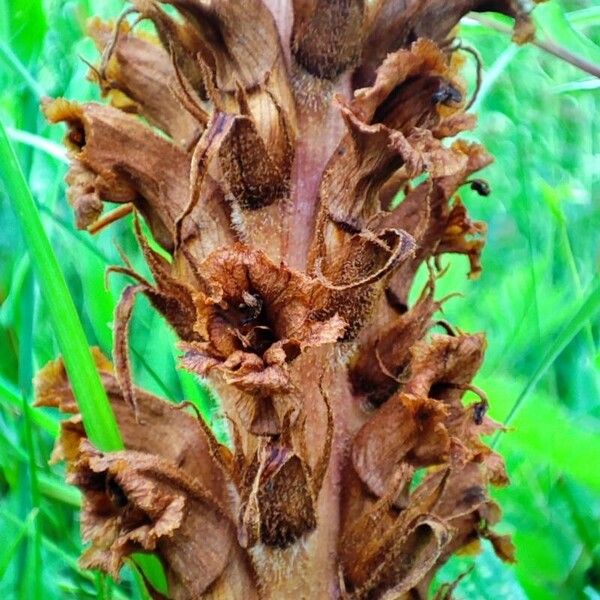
(135, 501)
(405, 429)
(142, 71)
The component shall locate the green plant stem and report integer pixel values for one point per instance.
(98, 417)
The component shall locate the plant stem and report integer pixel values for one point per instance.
(546, 45)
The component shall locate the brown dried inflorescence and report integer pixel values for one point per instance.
(266, 145)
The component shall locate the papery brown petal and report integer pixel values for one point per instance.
(67, 446)
(395, 433)
(457, 237)
(123, 161)
(53, 388)
(240, 40)
(495, 468)
(159, 427)
(83, 195)
(503, 546)
(388, 129)
(142, 70)
(289, 297)
(257, 413)
(172, 296)
(394, 24)
(448, 361)
(272, 380)
(181, 39)
(424, 153)
(256, 382)
(388, 554)
(398, 73)
(384, 353)
(322, 332)
(121, 343)
(327, 35)
(425, 214)
(197, 358)
(455, 124)
(128, 160)
(423, 544)
(136, 501)
(464, 491)
(465, 504)
(360, 165)
(171, 306)
(251, 374)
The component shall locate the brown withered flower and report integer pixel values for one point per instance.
(272, 149)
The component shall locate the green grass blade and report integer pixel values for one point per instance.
(57, 490)
(57, 550)
(97, 414)
(585, 311)
(585, 17)
(11, 397)
(545, 432)
(38, 143)
(585, 85)
(33, 587)
(553, 22)
(12, 547)
(12, 60)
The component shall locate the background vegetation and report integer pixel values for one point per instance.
(538, 300)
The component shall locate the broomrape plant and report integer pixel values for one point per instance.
(266, 144)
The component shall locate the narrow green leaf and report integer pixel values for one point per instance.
(588, 307)
(153, 570)
(65, 557)
(11, 548)
(585, 85)
(39, 143)
(57, 490)
(34, 548)
(12, 60)
(586, 17)
(551, 20)
(545, 431)
(97, 414)
(11, 397)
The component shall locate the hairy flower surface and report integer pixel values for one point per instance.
(272, 149)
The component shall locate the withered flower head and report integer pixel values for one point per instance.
(266, 144)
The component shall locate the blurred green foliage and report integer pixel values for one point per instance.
(538, 300)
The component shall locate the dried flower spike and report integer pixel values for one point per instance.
(264, 143)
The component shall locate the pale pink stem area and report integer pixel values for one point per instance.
(284, 19)
(319, 133)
